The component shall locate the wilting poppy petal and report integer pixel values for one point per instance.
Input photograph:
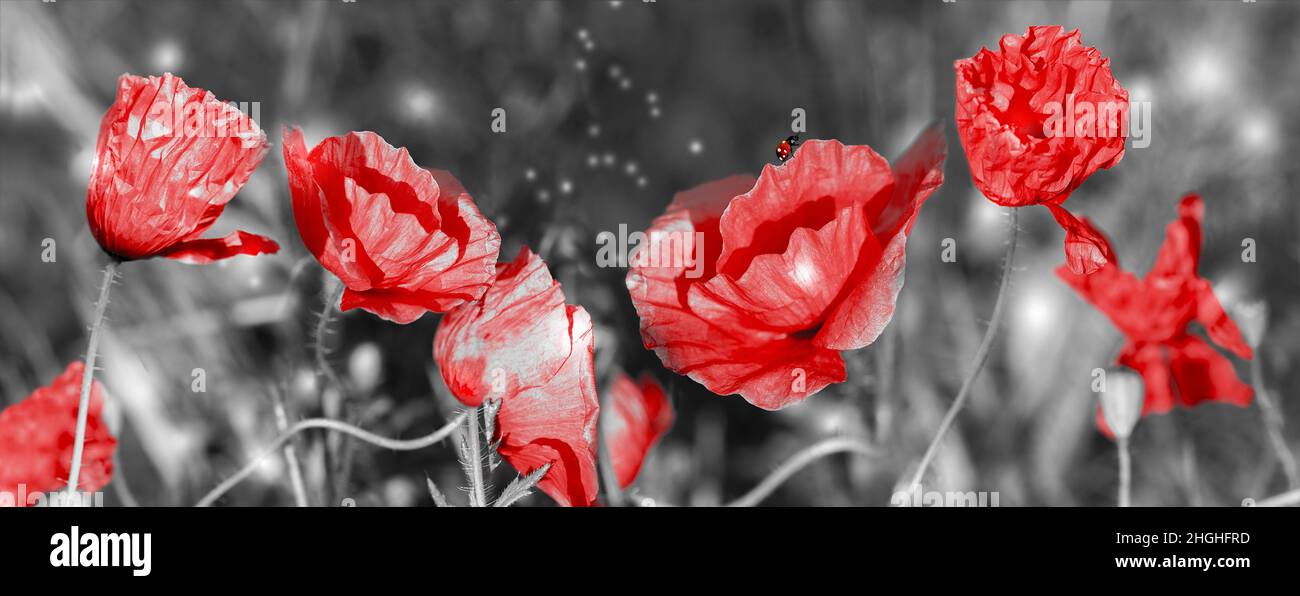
(403, 240)
(1086, 249)
(637, 415)
(1218, 325)
(37, 435)
(1154, 313)
(523, 345)
(1203, 374)
(1152, 361)
(1180, 255)
(168, 159)
(207, 250)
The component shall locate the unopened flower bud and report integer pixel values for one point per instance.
(1121, 401)
(1252, 318)
(365, 366)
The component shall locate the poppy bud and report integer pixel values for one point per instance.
(1252, 318)
(168, 160)
(1121, 401)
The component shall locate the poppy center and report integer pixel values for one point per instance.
(1022, 117)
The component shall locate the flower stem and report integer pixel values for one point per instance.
(322, 327)
(474, 462)
(1273, 422)
(797, 462)
(290, 456)
(88, 374)
(613, 492)
(333, 293)
(981, 356)
(334, 425)
(1125, 472)
(1283, 500)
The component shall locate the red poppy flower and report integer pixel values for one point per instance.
(1154, 312)
(1036, 118)
(36, 437)
(402, 239)
(168, 159)
(638, 416)
(523, 345)
(782, 274)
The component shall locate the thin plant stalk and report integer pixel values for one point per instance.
(613, 492)
(290, 456)
(1125, 472)
(1273, 423)
(474, 461)
(120, 486)
(334, 425)
(797, 462)
(333, 293)
(1283, 500)
(332, 297)
(88, 374)
(981, 357)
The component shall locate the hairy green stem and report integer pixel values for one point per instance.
(290, 456)
(88, 374)
(981, 357)
(474, 461)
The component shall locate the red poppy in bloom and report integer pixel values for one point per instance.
(1154, 312)
(404, 240)
(638, 415)
(1037, 117)
(522, 345)
(777, 276)
(168, 159)
(36, 437)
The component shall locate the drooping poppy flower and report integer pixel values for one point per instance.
(781, 274)
(637, 415)
(168, 159)
(1037, 117)
(404, 240)
(521, 344)
(36, 437)
(1154, 312)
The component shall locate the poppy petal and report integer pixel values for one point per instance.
(207, 250)
(1152, 361)
(307, 208)
(637, 416)
(400, 238)
(37, 435)
(1086, 248)
(555, 423)
(520, 343)
(1180, 255)
(1220, 327)
(168, 159)
(516, 336)
(1203, 374)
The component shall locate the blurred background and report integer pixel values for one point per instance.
(613, 107)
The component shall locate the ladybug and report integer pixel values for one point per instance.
(785, 148)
